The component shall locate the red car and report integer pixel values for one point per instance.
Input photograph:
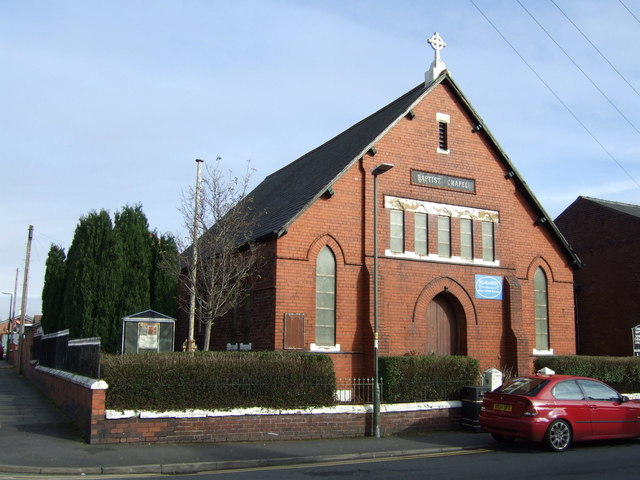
(557, 410)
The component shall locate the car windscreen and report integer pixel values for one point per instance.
(526, 386)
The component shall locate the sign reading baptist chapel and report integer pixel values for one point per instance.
(443, 181)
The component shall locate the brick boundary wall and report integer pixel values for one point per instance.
(265, 425)
(80, 398)
(83, 400)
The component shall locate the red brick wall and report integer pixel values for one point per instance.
(246, 428)
(83, 405)
(260, 325)
(608, 305)
(499, 334)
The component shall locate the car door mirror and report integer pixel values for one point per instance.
(624, 399)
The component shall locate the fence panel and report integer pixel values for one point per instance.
(355, 390)
(83, 357)
(55, 350)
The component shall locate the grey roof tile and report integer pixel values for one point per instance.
(627, 208)
(286, 193)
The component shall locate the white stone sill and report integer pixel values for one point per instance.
(339, 409)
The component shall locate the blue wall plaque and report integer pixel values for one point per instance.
(489, 287)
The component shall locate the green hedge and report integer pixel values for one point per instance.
(426, 378)
(622, 373)
(218, 380)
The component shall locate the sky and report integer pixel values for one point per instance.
(108, 103)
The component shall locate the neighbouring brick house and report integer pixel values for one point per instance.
(605, 235)
(469, 261)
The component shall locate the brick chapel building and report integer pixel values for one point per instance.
(605, 236)
(469, 262)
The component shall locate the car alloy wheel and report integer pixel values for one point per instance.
(558, 436)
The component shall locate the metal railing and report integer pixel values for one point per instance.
(355, 390)
(55, 350)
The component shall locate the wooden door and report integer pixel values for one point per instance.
(442, 327)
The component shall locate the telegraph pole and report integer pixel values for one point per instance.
(23, 313)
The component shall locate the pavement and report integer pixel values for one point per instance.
(37, 438)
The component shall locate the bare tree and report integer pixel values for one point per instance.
(228, 257)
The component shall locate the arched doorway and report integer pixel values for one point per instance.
(444, 319)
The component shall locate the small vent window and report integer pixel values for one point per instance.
(442, 136)
(443, 132)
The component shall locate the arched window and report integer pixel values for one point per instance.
(541, 309)
(326, 298)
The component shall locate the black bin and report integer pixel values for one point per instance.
(471, 404)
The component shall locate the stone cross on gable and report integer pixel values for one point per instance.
(437, 66)
(437, 44)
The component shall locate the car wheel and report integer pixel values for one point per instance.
(558, 436)
(502, 438)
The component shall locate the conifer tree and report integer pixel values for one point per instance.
(164, 283)
(132, 234)
(53, 290)
(111, 270)
(93, 277)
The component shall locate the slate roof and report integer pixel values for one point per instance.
(633, 210)
(288, 192)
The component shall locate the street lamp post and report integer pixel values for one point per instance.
(10, 330)
(379, 170)
(191, 343)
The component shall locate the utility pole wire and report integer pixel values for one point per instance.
(596, 48)
(557, 96)
(579, 68)
(632, 14)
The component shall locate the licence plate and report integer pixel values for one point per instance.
(502, 407)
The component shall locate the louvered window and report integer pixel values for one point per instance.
(443, 120)
(442, 136)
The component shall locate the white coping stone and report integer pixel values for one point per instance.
(339, 409)
(86, 382)
(417, 406)
(116, 414)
